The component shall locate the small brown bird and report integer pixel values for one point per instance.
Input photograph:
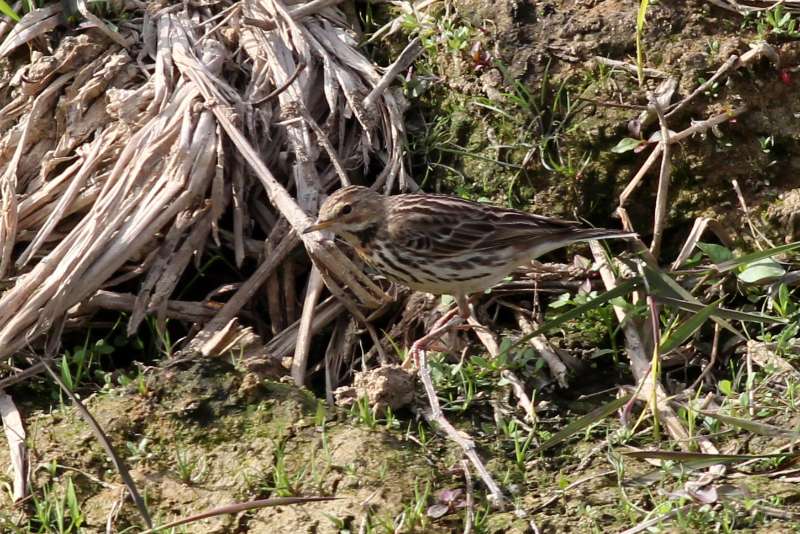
(442, 244)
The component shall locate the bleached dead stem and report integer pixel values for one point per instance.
(303, 344)
(156, 157)
(557, 368)
(18, 452)
(664, 176)
(695, 128)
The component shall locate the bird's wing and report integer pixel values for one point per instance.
(449, 228)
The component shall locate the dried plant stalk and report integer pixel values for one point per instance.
(153, 143)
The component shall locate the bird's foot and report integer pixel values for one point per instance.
(419, 348)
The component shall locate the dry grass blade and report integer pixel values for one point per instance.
(663, 180)
(106, 444)
(15, 435)
(37, 22)
(700, 225)
(750, 425)
(237, 508)
(143, 158)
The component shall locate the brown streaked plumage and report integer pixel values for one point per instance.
(441, 244)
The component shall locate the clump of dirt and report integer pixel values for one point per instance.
(388, 386)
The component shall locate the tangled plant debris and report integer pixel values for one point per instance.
(158, 172)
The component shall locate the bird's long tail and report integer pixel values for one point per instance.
(589, 234)
(561, 239)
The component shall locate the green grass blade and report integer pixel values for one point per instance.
(721, 312)
(687, 329)
(640, 21)
(661, 285)
(582, 422)
(8, 11)
(755, 256)
(752, 426)
(682, 467)
(683, 457)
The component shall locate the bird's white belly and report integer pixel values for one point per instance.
(450, 276)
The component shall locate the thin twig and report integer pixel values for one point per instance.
(21, 376)
(284, 86)
(105, 442)
(522, 397)
(469, 507)
(238, 508)
(435, 415)
(705, 85)
(695, 128)
(540, 344)
(711, 361)
(653, 73)
(607, 103)
(403, 61)
(663, 181)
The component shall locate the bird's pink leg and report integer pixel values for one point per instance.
(418, 353)
(420, 346)
(463, 306)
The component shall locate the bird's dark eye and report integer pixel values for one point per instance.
(347, 208)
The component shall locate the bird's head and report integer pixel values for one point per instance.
(349, 210)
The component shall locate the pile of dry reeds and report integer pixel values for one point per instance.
(127, 152)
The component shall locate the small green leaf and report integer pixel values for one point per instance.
(763, 269)
(103, 347)
(626, 144)
(725, 387)
(717, 253)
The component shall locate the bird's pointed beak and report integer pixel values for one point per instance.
(318, 226)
